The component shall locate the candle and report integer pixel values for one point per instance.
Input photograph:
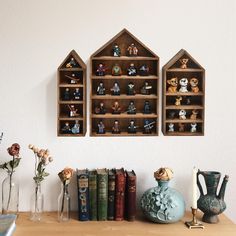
(194, 200)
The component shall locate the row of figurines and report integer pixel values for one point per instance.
(130, 89)
(68, 95)
(75, 129)
(182, 114)
(182, 127)
(183, 83)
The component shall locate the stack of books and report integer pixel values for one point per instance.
(7, 224)
(106, 194)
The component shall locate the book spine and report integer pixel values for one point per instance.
(131, 198)
(111, 196)
(93, 197)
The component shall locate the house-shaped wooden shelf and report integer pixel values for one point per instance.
(146, 122)
(183, 98)
(71, 84)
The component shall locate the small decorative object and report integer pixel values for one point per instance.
(101, 89)
(101, 70)
(182, 114)
(193, 127)
(10, 185)
(101, 128)
(173, 84)
(115, 89)
(66, 95)
(73, 111)
(77, 94)
(73, 79)
(116, 127)
(66, 128)
(171, 127)
(101, 109)
(130, 89)
(116, 108)
(132, 71)
(131, 108)
(183, 85)
(148, 126)
(144, 70)
(194, 114)
(181, 127)
(194, 85)
(116, 70)
(171, 115)
(76, 128)
(163, 204)
(64, 197)
(178, 101)
(147, 107)
(183, 62)
(132, 128)
(42, 159)
(132, 50)
(188, 100)
(72, 63)
(146, 89)
(210, 203)
(116, 50)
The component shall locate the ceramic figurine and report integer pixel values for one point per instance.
(66, 128)
(101, 109)
(101, 128)
(116, 50)
(182, 114)
(132, 50)
(183, 85)
(147, 108)
(130, 89)
(101, 89)
(131, 108)
(194, 114)
(66, 95)
(178, 101)
(171, 127)
(73, 111)
(101, 70)
(171, 115)
(71, 64)
(183, 62)
(116, 108)
(76, 128)
(193, 127)
(73, 78)
(116, 127)
(188, 100)
(181, 127)
(194, 85)
(115, 89)
(132, 71)
(173, 84)
(116, 70)
(148, 126)
(146, 89)
(132, 128)
(144, 70)
(77, 94)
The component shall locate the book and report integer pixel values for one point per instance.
(7, 224)
(102, 193)
(83, 194)
(120, 194)
(93, 195)
(130, 195)
(111, 194)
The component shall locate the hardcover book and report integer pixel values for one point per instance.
(7, 224)
(111, 194)
(93, 195)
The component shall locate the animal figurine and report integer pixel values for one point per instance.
(194, 85)
(183, 62)
(183, 85)
(171, 115)
(181, 127)
(171, 127)
(193, 127)
(194, 114)
(178, 100)
(132, 50)
(182, 114)
(173, 82)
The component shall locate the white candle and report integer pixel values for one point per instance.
(194, 200)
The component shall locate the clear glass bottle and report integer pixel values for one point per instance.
(64, 204)
(10, 194)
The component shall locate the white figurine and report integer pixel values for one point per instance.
(184, 84)
(182, 114)
(171, 127)
(193, 127)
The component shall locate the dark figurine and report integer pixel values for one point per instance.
(171, 115)
(148, 126)
(147, 108)
(101, 70)
(132, 71)
(188, 100)
(146, 89)
(73, 111)
(132, 50)
(131, 108)
(66, 128)
(77, 94)
(144, 70)
(101, 109)
(116, 50)
(76, 128)
(101, 128)
(116, 70)
(101, 89)
(130, 89)
(115, 89)
(72, 63)
(73, 78)
(181, 127)
(116, 108)
(66, 95)
(132, 128)
(116, 127)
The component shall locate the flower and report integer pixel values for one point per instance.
(66, 174)
(164, 173)
(14, 150)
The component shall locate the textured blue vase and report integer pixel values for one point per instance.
(163, 204)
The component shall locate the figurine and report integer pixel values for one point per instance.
(132, 71)
(181, 127)
(116, 108)
(132, 128)
(66, 129)
(188, 100)
(171, 127)
(101, 128)
(66, 95)
(77, 94)
(194, 114)
(101, 89)
(148, 126)
(115, 89)
(76, 128)
(116, 70)
(116, 50)
(193, 127)
(194, 85)
(184, 84)
(101, 109)
(171, 115)
(182, 114)
(73, 79)
(146, 89)
(101, 70)
(116, 127)
(173, 82)
(73, 111)
(131, 108)
(130, 89)
(132, 50)
(178, 101)
(183, 62)
(72, 63)
(144, 70)
(147, 108)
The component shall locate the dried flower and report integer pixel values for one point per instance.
(163, 174)
(66, 175)
(14, 150)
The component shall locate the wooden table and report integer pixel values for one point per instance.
(140, 227)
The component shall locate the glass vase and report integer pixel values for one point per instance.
(10, 194)
(64, 204)
(37, 199)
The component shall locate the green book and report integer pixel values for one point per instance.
(102, 191)
(93, 195)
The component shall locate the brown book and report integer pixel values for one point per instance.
(120, 194)
(130, 195)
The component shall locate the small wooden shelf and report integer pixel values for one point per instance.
(124, 96)
(184, 121)
(184, 107)
(70, 118)
(71, 102)
(71, 86)
(124, 116)
(125, 77)
(184, 134)
(185, 94)
(125, 58)
(71, 69)
(110, 134)
(185, 70)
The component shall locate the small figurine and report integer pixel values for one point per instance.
(193, 127)
(116, 127)
(101, 89)
(73, 79)
(76, 128)
(181, 127)
(182, 114)
(73, 111)
(131, 108)
(184, 84)
(115, 89)
(66, 95)
(171, 127)
(178, 101)
(183, 62)
(132, 71)
(147, 108)
(148, 126)
(101, 70)
(116, 70)
(194, 85)
(171, 115)
(146, 89)
(132, 50)
(77, 94)
(101, 128)
(130, 89)
(188, 100)
(66, 129)
(116, 108)
(132, 128)
(116, 50)
(144, 70)
(101, 109)
(194, 114)
(173, 82)
(72, 63)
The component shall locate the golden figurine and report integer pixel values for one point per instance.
(194, 114)
(173, 82)
(194, 85)
(183, 62)
(178, 101)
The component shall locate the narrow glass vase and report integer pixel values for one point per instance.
(64, 204)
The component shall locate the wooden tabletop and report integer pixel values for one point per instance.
(140, 227)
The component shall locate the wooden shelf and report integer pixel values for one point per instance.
(124, 115)
(64, 118)
(186, 107)
(70, 69)
(125, 77)
(185, 70)
(110, 134)
(184, 121)
(185, 94)
(71, 102)
(124, 96)
(184, 133)
(125, 58)
(71, 85)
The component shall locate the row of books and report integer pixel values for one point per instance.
(106, 194)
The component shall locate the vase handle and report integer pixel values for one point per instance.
(198, 182)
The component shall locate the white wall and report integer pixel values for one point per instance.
(35, 37)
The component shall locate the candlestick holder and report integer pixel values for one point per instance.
(194, 224)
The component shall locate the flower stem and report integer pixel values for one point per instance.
(63, 198)
(11, 173)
